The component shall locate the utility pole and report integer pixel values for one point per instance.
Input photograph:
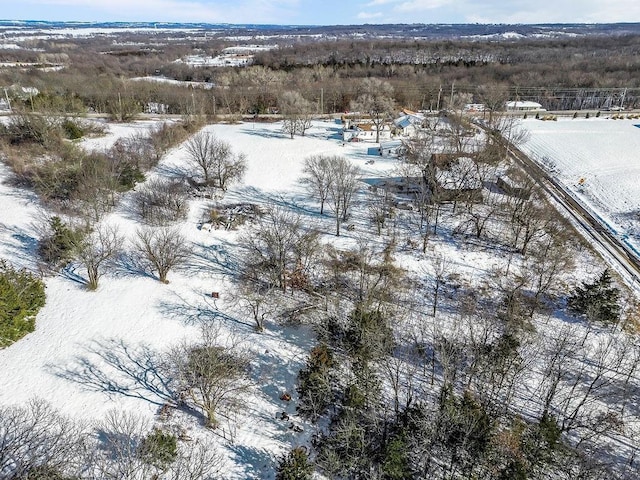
(6, 96)
(451, 101)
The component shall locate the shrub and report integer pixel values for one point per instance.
(159, 449)
(29, 128)
(21, 297)
(44, 472)
(129, 176)
(58, 247)
(160, 202)
(368, 334)
(72, 130)
(395, 462)
(315, 383)
(295, 465)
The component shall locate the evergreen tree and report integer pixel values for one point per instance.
(159, 449)
(315, 383)
(59, 247)
(21, 296)
(597, 301)
(295, 466)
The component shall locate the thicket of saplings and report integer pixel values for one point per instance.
(79, 187)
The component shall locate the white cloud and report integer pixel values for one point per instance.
(369, 15)
(380, 2)
(499, 11)
(422, 5)
(228, 11)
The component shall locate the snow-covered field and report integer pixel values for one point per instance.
(93, 352)
(84, 338)
(598, 159)
(237, 56)
(171, 81)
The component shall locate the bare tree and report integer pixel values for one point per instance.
(96, 249)
(380, 207)
(494, 98)
(164, 248)
(343, 183)
(278, 247)
(213, 377)
(440, 267)
(258, 300)
(316, 177)
(419, 157)
(376, 99)
(215, 160)
(296, 112)
(548, 260)
(196, 461)
(161, 201)
(35, 438)
(121, 435)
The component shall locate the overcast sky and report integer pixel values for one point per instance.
(326, 12)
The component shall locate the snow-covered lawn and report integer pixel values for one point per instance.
(97, 351)
(598, 159)
(89, 346)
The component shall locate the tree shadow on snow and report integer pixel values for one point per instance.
(131, 265)
(116, 368)
(69, 272)
(216, 259)
(293, 203)
(258, 463)
(22, 247)
(259, 131)
(200, 313)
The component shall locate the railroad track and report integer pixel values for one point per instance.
(618, 254)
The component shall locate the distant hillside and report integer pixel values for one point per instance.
(430, 31)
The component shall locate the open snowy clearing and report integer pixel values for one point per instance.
(597, 160)
(96, 351)
(87, 344)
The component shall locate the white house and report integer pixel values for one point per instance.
(524, 106)
(408, 124)
(365, 132)
(156, 108)
(392, 147)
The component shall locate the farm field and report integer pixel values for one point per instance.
(598, 160)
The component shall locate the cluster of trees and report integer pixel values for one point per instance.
(215, 160)
(84, 186)
(99, 247)
(22, 295)
(323, 76)
(40, 443)
(434, 376)
(209, 378)
(332, 180)
(75, 181)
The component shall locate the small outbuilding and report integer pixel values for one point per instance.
(523, 106)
